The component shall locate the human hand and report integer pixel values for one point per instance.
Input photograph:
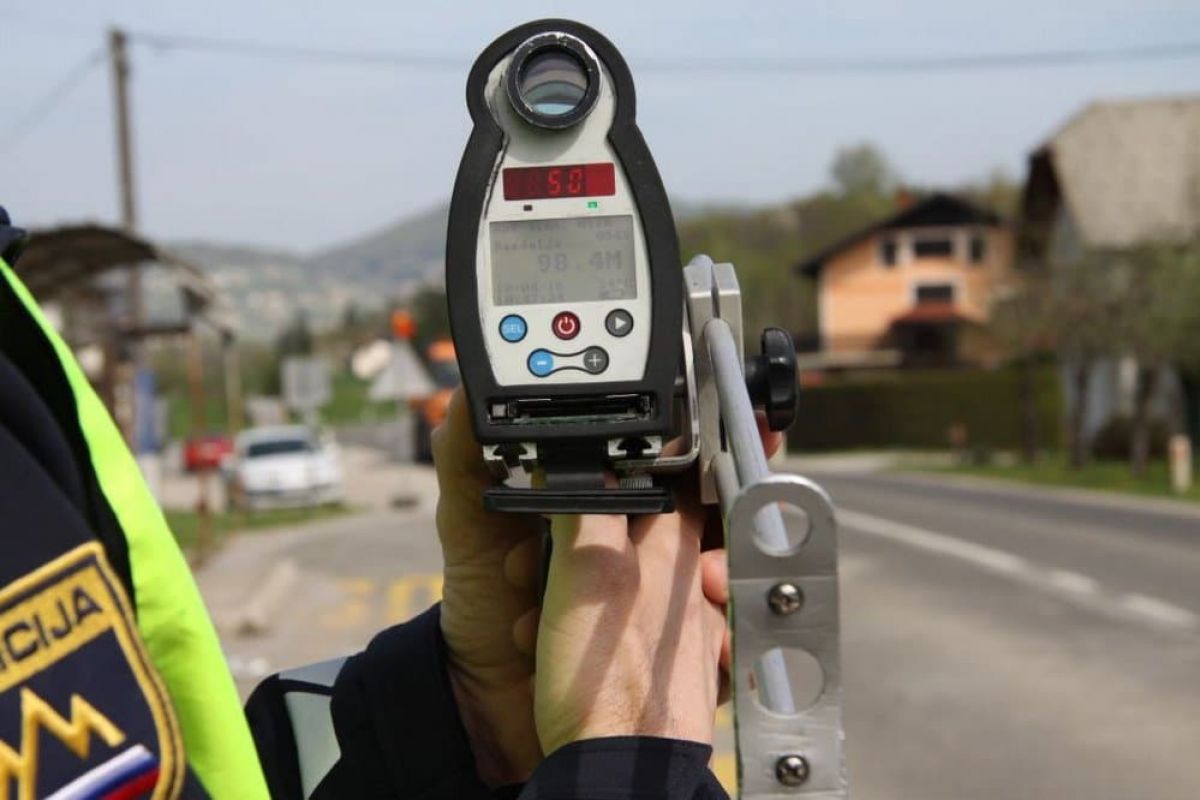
(627, 644)
(489, 612)
(491, 571)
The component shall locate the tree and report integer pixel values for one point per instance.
(863, 169)
(1157, 326)
(999, 192)
(352, 316)
(1022, 316)
(297, 338)
(430, 314)
(1085, 298)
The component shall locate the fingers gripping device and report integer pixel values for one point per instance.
(587, 353)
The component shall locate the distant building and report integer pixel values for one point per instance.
(1116, 175)
(913, 289)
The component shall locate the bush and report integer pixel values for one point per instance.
(1114, 440)
(917, 409)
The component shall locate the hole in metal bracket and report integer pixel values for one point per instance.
(781, 529)
(786, 680)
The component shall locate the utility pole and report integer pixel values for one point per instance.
(119, 57)
(119, 60)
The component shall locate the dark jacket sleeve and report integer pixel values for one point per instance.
(626, 768)
(401, 738)
(397, 723)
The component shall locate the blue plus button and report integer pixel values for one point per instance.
(513, 328)
(541, 363)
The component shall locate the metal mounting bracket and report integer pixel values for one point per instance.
(783, 595)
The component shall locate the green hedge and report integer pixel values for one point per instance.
(912, 409)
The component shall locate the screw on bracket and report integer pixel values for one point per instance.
(785, 598)
(791, 770)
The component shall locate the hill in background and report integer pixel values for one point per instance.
(266, 287)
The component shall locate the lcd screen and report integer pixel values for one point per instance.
(563, 260)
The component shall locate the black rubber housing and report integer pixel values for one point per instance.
(475, 172)
(654, 500)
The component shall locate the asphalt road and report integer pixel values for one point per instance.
(999, 644)
(996, 643)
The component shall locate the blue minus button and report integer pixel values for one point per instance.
(541, 363)
(513, 328)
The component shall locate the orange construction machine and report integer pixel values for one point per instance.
(429, 411)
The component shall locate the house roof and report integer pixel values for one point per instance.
(1129, 171)
(935, 210)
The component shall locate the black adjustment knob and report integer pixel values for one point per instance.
(771, 378)
(12, 239)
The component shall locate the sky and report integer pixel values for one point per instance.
(291, 155)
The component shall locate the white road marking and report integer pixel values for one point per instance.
(1166, 613)
(980, 555)
(1080, 590)
(1073, 582)
(248, 667)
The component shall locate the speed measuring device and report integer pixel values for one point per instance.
(563, 274)
(596, 365)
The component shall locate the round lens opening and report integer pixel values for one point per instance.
(552, 82)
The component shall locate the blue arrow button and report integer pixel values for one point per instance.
(541, 363)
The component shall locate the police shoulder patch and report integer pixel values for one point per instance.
(83, 714)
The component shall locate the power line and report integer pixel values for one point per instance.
(943, 63)
(715, 63)
(297, 52)
(50, 100)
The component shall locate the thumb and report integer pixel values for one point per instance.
(456, 453)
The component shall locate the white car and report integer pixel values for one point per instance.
(285, 465)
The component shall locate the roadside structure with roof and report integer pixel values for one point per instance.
(78, 273)
(1117, 175)
(912, 289)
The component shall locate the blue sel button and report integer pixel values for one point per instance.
(541, 363)
(513, 328)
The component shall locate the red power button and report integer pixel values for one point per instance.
(565, 325)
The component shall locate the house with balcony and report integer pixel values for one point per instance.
(912, 289)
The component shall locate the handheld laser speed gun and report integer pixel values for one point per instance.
(588, 350)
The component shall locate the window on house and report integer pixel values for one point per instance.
(933, 247)
(935, 293)
(978, 248)
(889, 252)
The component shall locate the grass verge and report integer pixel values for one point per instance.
(186, 524)
(1109, 476)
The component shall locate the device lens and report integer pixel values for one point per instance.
(553, 82)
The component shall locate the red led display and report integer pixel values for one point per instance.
(564, 180)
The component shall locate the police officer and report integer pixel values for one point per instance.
(112, 682)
